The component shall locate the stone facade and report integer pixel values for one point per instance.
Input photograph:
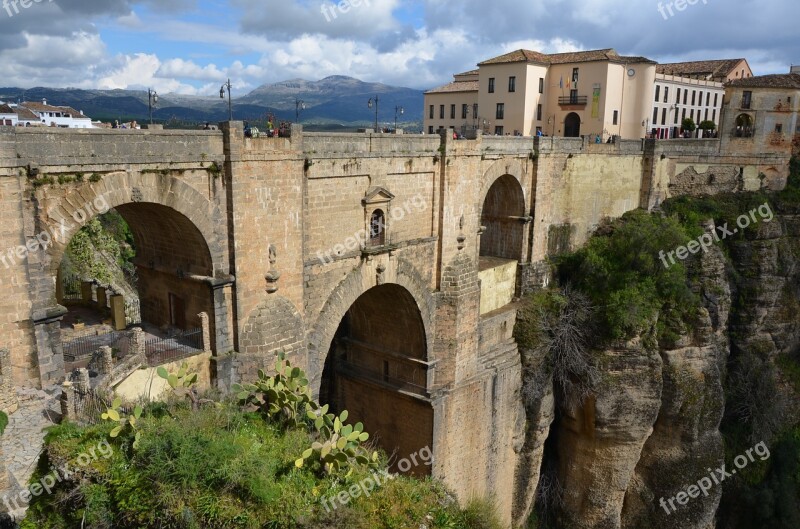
(276, 239)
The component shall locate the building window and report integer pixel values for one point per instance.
(706, 115)
(685, 95)
(512, 84)
(779, 128)
(714, 115)
(676, 117)
(616, 117)
(692, 114)
(694, 97)
(464, 111)
(377, 228)
(452, 112)
(491, 85)
(666, 94)
(747, 99)
(498, 131)
(501, 110)
(664, 116)
(574, 75)
(539, 112)
(658, 92)
(430, 129)
(655, 116)
(708, 98)
(715, 99)
(678, 98)
(441, 111)
(684, 114)
(431, 112)
(541, 85)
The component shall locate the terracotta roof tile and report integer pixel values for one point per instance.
(608, 54)
(786, 80)
(716, 69)
(25, 114)
(458, 86)
(5, 109)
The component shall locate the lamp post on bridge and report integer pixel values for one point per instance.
(152, 100)
(369, 104)
(222, 96)
(402, 111)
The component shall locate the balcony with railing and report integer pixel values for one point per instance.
(573, 101)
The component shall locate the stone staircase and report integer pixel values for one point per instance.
(22, 443)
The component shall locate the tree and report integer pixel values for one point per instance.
(689, 125)
(707, 125)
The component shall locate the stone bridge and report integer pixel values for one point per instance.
(386, 265)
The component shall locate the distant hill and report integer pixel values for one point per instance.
(331, 102)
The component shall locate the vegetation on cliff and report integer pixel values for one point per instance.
(635, 296)
(202, 463)
(102, 250)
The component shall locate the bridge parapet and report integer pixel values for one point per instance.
(20, 147)
(369, 143)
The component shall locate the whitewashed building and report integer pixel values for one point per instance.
(58, 116)
(8, 118)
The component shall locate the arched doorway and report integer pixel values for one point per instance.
(572, 125)
(503, 215)
(377, 370)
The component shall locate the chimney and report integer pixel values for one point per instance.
(44, 101)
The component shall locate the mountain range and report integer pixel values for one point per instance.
(333, 101)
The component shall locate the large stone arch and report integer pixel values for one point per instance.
(122, 188)
(357, 283)
(161, 209)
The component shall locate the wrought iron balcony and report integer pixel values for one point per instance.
(573, 100)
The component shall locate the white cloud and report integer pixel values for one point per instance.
(253, 42)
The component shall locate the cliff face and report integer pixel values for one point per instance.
(628, 455)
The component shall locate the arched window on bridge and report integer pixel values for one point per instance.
(377, 228)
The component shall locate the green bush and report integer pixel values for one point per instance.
(3, 422)
(621, 271)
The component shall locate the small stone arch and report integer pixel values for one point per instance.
(513, 167)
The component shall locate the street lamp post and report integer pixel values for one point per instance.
(152, 100)
(375, 102)
(299, 105)
(222, 96)
(401, 111)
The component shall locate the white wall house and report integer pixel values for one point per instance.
(8, 118)
(63, 117)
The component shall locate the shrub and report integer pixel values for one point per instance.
(621, 272)
(556, 326)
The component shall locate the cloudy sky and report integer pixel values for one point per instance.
(192, 46)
